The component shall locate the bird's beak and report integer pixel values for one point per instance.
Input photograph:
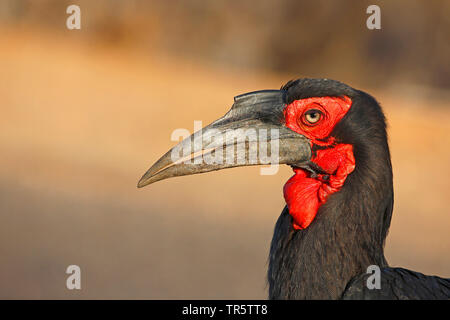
(251, 133)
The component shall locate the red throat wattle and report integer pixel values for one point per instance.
(315, 118)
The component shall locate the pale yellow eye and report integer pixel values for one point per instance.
(313, 116)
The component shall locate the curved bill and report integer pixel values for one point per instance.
(251, 133)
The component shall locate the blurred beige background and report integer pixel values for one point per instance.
(85, 112)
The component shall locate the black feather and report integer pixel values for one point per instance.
(399, 283)
(350, 229)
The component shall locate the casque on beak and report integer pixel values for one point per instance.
(251, 133)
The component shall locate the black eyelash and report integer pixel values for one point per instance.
(310, 111)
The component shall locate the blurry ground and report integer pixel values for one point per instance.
(79, 125)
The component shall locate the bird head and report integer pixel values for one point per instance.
(322, 128)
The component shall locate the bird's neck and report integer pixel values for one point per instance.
(346, 236)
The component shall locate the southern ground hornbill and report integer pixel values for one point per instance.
(339, 200)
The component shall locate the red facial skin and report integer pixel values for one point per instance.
(303, 194)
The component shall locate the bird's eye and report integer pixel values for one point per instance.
(312, 116)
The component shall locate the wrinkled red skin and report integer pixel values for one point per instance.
(303, 194)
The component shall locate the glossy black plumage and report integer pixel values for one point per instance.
(329, 259)
(400, 284)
